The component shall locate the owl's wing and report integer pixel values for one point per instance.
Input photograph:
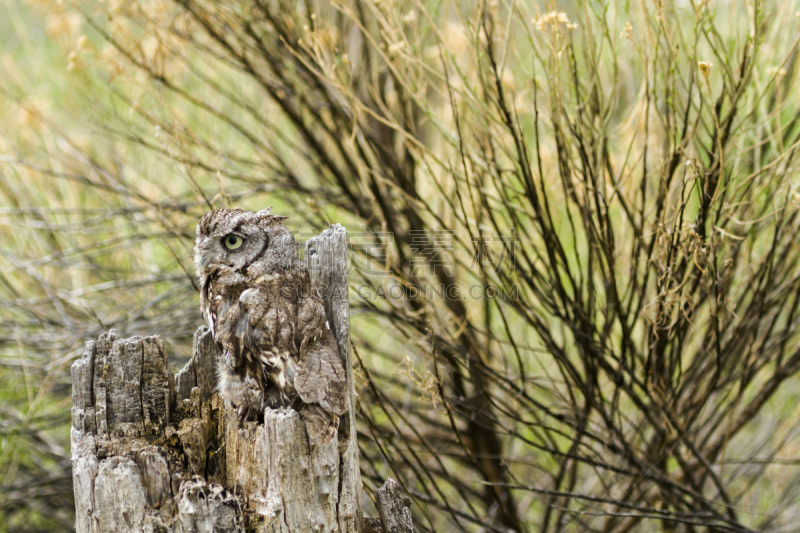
(311, 320)
(320, 377)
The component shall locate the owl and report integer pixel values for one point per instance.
(277, 347)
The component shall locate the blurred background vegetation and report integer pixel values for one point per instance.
(575, 281)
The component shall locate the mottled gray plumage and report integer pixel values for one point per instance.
(256, 296)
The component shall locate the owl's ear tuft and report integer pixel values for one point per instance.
(204, 227)
(265, 213)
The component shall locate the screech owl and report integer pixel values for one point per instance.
(278, 348)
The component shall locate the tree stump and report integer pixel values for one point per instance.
(157, 452)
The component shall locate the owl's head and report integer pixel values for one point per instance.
(234, 239)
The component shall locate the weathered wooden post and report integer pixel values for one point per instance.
(158, 452)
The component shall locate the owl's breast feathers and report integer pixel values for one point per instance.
(275, 337)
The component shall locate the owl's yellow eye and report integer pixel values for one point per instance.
(232, 242)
